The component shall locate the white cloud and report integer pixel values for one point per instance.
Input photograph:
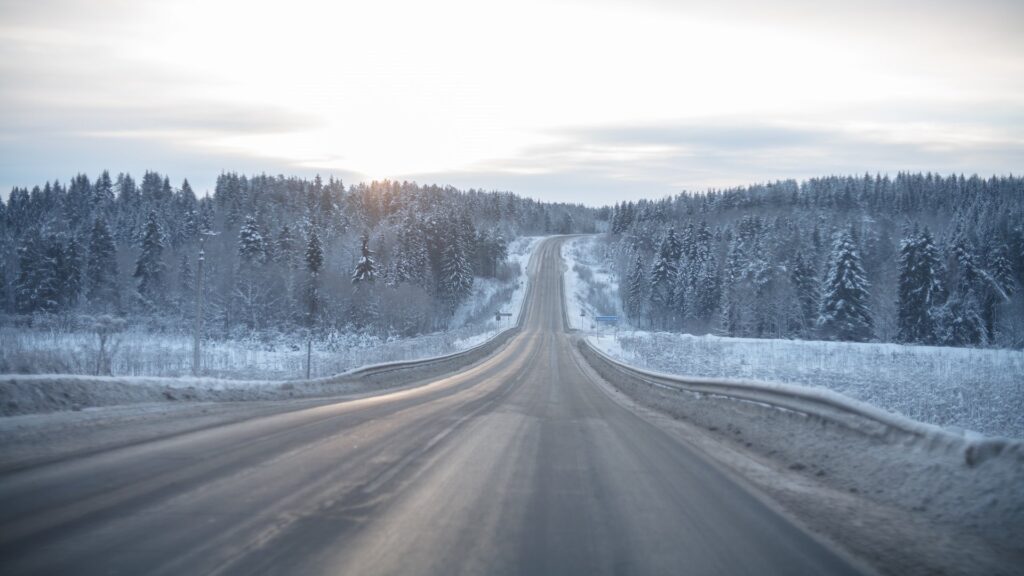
(650, 96)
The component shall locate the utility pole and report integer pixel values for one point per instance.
(199, 309)
(309, 353)
(314, 300)
(198, 336)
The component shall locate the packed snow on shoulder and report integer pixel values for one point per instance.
(981, 390)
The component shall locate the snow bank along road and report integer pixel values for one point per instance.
(519, 464)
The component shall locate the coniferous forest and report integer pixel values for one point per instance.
(917, 258)
(278, 254)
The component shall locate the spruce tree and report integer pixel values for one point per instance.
(805, 282)
(37, 288)
(284, 251)
(663, 277)
(636, 288)
(251, 249)
(186, 278)
(70, 273)
(101, 269)
(844, 305)
(456, 274)
(365, 270)
(103, 191)
(5, 300)
(314, 254)
(149, 267)
(920, 292)
(997, 286)
(314, 262)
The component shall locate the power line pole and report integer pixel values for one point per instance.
(197, 338)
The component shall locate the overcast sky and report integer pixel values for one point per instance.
(591, 101)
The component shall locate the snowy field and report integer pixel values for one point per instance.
(960, 388)
(265, 356)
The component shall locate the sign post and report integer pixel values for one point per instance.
(610, 320)
(498, 315)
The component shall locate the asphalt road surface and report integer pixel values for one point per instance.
(519, 464)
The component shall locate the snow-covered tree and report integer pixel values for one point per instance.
(456, 274)
(149, 267)
(314, 254)
(37, 287)
(997, 286)
(920, 291)
(805, 281)
(844, 304)
(251, 248)
(663, 278)
(314, 263)
(636, 290)
(365, 270)
(69, 273)
(101, 275)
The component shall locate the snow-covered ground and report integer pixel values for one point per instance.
(960, 388)
(265, 356)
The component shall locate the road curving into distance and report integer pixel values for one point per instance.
(519, 464)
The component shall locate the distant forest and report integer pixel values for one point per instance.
(280, 254)
(917, 258)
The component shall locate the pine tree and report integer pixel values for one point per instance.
(672, 247)
(284, 251)
(37, 287)
(314, 262)
(186, 278)
(920, 293)
(681, 293)
(101, 269)
(708, 290)
(70, 273)
(5, 301)
(961, 323)
(844, 305)
(805, 282)
(314, 254)
(365, 271)
(149, 267)
(251, 248)
(413, 261)
(636, 290)
(997, 286)
(456, 274)
(663, 278)
(103, 191)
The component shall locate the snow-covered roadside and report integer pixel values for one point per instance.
(905, 506)
(519, 252)
(905, 509)
(958, 388)
(30, 394)
(591, 289)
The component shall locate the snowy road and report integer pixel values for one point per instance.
(517, 465)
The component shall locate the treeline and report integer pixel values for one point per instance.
(918, 258)
(277, 253)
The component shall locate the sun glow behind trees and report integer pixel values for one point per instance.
(561, 97)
